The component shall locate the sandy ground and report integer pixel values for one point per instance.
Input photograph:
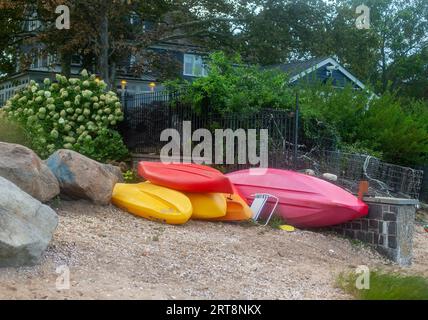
(113, 255)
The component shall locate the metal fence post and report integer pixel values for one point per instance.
(296, 131)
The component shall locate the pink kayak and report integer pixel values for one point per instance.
(304, 201)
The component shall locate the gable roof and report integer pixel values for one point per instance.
(294, 68)
(299, 69)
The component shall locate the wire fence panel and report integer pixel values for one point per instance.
(385, 179)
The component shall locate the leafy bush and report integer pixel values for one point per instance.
(73, 113)
(131, 176)
(232, 86)
(400, 136)
(356, 122)
(346, 119)
(12, 132)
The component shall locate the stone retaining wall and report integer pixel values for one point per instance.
(388, 228)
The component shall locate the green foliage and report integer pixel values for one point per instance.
(387, 127)
(131, 176)
(276, 222)
(355, 121)
(386, 286)
(400, 136)
(232, 86)
(107, 145)
(12, 132)
(71, 113)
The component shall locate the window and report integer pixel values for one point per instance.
(132, 60)
(76, 60)
(52, 59)
(33, 24)
(35, 62)
(193, 66)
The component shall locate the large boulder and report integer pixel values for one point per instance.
(26, 226)
(25, 169)
(82, 178)
(116, 171)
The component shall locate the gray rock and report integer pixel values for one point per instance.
(82, 178)
(330, 177)
(26, 226)
(116, 171)
(25, 169)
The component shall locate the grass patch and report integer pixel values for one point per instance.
(248, 223)
(13, 133)
(386, 286)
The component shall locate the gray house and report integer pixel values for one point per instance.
(186, 55)
(319, 70)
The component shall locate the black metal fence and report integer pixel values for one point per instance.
(424, 188)
(147, 115)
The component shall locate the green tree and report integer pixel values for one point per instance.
(232, 86)
(107, 32)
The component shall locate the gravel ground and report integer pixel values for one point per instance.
(113, 255)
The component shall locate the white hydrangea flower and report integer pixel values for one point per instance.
(47, 81)
(84, 73)
(87, 93)
(48, 94)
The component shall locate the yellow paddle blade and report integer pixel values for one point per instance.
(287, 228)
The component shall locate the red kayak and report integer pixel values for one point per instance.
(304, 201)
(186, 177)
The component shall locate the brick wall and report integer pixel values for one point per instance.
(388, 227)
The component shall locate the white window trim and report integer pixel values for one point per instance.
(193, 56)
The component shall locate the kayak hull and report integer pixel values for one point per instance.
(186, 177)
(237, 209)
(207, 205)
(304, 201)
(153, 202)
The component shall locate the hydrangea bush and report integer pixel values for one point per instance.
(75, 113)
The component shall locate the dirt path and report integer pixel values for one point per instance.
(113, 255)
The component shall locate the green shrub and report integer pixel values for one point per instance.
(400, 136)
(131, 176)
(353, 121)
(386, 286)
(346, 119)
(12, 132)
(232, 86)
(73, 113)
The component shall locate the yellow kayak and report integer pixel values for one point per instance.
(237, 209)
(207, 205)
(153, 202)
